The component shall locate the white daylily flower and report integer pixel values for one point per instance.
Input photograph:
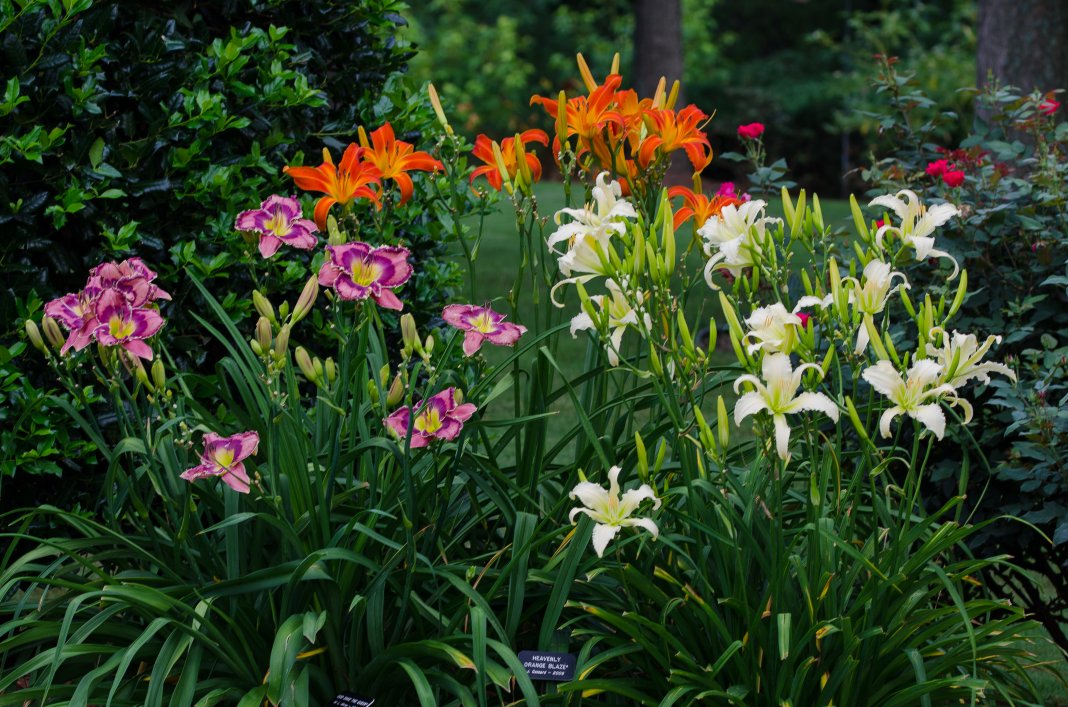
(621, 314)
(780, 398)
(733, 237)
(599, 220)
(909, 395)
(917, 224)
(870, 297)
(961, 355)
(772, 328)
(610, 511)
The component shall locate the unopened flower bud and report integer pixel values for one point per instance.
(306, 299)
(439, 112)
(383, 374)
(255, 346)
(34, 335)
(282, 342)
(263, 306)
(396, 392)
(331, 370)
(372, 390)
(263, 334)
(409, 335)
(318, 366)
(159, 374)
(304, 363)
(52, 332)
(428, 346)
(139, 371)
(334, 234)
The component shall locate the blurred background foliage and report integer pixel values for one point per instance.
(489, 57)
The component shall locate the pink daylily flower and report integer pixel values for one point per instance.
(131, 277)
(119, 324)
(77, 313)
(359, 271)
(224, 456)
(481, 324)
(439, 418)
(278, 221)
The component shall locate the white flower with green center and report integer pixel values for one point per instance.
(779, 397)
(869, 298)
(917, 224)
(961, 356)
(622, 310)
(599, 220)
(733, 237)
(773, 329)
(911, 395)
(610, 510)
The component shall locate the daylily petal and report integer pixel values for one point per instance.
(602, 535)
(748, 404)
(782, 436)
(931, 417)
(472, 342)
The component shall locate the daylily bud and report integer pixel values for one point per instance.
(435, 103)
(331, 370)
(428, 346)
(855, 419)
(659, 93)
(396, 392)
(306, 299)
(643, 457)
(263, 334)
(561, 118)
(673, 95)
(713, 334)
(383, 375)
(654, 362)
(34, 335)
(585, 73)
(723, 426)
(409, 336)
(139, 371)
(52, 332)
(334, 235)
(263, 306)
(361, 136)
(372, 390)
(502, 168)
(859, 221)
(525, 178)
(305, 364)
(282, 342)
(661, 454)
(958, 300)
(255, 346)
(704, 433)
(458, 395)
(615, 64)
(159, 374)
(283, 310)
(317, 366)
(684, 331)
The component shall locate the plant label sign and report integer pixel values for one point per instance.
(347, 699)
(548, 666)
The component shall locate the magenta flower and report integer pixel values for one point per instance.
(751, 131)
(224, 456)
(77, 313)
(278, 221)
(119, 324)
(481, 323)
(439, 418)
(358, 271)
(131, 277)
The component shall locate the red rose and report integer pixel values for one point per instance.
(751, 131)
(1048, 106)
(804, 319)
(953, 178)
(937, 168)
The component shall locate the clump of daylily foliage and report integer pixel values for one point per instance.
(795, 565)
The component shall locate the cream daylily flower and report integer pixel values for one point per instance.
(870, 297)
(733, 237)
(772, 328)
(621, 314)
(909, 395)
(611, 511)
(917, 224)
(960, 358)
(600, 219)
(780, 398)
(589, 234)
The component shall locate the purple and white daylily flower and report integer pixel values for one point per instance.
(440, 417)
(358, 271)
(119, 324)
(278, 221)
(481, 324)
(610, 510)
(224, 456)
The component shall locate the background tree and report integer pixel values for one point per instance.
(657, 44)
(1023, 43)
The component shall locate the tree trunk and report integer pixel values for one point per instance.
(657, 44)
(1023, 43)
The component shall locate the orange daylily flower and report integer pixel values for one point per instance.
(342, 184)
(483, 150)
(698, 206)
(394, 158)
(587, 115)
(669, 131)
